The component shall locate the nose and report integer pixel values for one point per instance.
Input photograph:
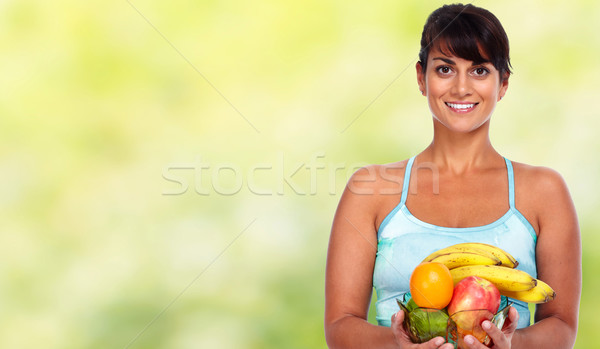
(462, 85)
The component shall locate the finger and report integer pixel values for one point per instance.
(398, 330)
(473, 343)
(397, 319)
(434, 343)
(447, 346)
(398, 327)
(498, 337)
(402, 336)
(513, 317)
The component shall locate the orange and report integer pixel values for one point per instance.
(431, 285)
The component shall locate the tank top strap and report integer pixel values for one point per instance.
(406, 182)
(511, 183)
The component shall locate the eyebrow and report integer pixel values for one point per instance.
(449, 61)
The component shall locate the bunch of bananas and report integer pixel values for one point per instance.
(495, 265)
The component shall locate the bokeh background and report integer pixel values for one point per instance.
(169, 170)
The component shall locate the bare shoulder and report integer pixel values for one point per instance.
(372, 186)
(377, 179)
(541, 195)
(539, 180)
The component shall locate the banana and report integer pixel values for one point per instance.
(541, 293)
(479, 248)
(458, 259)
(505, 279)
(456, 248)
(506, 258)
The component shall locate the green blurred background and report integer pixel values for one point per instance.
(169, 170)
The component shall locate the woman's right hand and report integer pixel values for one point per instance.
(404, 342)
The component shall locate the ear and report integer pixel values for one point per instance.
(503, 86)
(421, 78)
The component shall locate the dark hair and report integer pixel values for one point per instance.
(468, 32)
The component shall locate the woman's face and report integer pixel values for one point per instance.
(461, 95)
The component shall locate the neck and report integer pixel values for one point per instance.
(460, 152)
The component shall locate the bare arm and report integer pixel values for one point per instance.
(558, 257)
(349, 273)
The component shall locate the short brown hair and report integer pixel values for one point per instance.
(468, 32)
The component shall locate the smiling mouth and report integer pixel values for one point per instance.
(461, 107)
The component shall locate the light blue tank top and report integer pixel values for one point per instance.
(404, 241)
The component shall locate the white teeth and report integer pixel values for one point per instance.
(460, 106)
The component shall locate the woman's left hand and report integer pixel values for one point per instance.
(501, 339)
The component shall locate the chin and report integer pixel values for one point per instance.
(461, 128)
(461, 123)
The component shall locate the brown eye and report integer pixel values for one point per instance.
(481, 71)
(444, 69)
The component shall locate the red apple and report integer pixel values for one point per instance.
(473, 301)
(474, 293)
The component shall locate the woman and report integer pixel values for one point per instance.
(387, 221)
